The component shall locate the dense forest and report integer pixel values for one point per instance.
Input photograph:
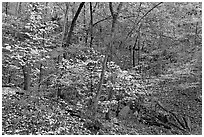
(101, 68)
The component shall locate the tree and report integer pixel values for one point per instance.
(91, 24)
(108, 53)
(68, 38)
(65, 29)
(6, 7)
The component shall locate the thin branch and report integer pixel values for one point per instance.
(172, 113)
(94, 9)
(107, 18)
(141, 20)
(111, 9)
(144, 16)
(149, 11)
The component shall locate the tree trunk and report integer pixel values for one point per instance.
(196, 34)
(73, 9)
(136, 47)
(40, 75)
(114, 19)
(99, 88)
(65, 28)
(84, 22)
(133, 57)
(110, 48)
(133, 52)
(91, 25)
(27, 78)
(10, 77)
(6, 8)
(19, 8)
(68, 38)
(110, 95)
(138, 52)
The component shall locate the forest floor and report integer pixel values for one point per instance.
(32, 115)
(184, 96)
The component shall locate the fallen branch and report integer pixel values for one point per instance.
(174, 116)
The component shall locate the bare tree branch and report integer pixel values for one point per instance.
(140, 21)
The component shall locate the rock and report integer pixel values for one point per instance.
(124, 112)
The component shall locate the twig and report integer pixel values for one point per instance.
(173, 114)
